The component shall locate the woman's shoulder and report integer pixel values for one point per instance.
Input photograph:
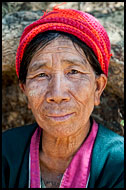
(109, 137)
(20, 129)
(16, 136)
(107, 159)
(109, 143)
(108, 147)
(15, 153)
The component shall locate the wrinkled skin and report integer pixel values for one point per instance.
(62, 90)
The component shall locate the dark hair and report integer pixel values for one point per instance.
(43, 39)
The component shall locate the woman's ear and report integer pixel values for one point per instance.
(23, 89)
(101, 82)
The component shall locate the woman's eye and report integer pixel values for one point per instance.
(42, 75)
(73, 71)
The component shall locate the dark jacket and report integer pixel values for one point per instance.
(107, 165)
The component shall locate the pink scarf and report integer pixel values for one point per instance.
(77, 173)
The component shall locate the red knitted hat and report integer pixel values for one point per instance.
(82, 25)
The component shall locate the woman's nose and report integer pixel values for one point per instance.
(58, 91)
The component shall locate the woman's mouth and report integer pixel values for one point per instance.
(61, 117)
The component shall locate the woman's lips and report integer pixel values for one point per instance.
(60, 117)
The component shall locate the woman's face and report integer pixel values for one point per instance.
(61, 88)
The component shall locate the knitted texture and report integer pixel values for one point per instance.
(80, 24)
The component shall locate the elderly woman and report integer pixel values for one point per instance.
(62, 64)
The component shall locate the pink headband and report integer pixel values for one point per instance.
(82, 25)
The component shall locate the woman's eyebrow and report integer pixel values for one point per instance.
(75, 62)
(37, 65)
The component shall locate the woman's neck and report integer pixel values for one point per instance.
(57, 152)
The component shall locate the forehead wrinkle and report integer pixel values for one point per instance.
(69, 60)
(60, 46)
(53, 49)
(63, 49)
(58, 49)
(63, 41)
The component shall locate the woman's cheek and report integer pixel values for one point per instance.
(35, 94)
(81, 90)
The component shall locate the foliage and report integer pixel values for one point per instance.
(122, 123)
